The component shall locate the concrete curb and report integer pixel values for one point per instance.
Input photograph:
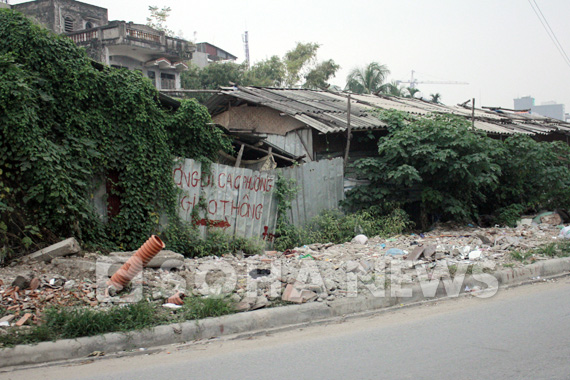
(257, 320)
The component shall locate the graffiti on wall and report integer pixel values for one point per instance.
(237, 200)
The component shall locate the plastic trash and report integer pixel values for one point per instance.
(565, 233)
(360, 239)
(395, 252)
(171, 306)
(475, 255)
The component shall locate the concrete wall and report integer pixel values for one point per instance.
(52, 13)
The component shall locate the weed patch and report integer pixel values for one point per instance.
(70, 323)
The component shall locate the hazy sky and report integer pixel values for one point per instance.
(498, 46)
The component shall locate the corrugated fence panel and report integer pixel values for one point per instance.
(320, 187)
(241, 202)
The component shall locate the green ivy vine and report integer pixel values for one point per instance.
(64, 122)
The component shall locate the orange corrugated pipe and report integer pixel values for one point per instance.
(136, 262)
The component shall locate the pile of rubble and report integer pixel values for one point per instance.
(318, 272)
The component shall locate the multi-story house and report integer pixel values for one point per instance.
(117, 43)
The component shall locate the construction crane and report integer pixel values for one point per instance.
(413, 81)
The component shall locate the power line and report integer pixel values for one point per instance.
(549, 31)
(553, 34)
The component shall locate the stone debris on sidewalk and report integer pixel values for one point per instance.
(311, 273)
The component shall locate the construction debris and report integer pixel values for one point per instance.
(63, 248)
(320, 272)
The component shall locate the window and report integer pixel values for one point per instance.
(68, 24)
(167, 81)
(88, 25)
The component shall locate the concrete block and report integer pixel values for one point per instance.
(63, 248)
(83, 265)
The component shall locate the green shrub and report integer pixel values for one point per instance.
(441, 169)
(335, 227)
(184, 238)
(510, 215)
(534, 176)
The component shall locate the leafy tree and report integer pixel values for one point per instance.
(367, 80)
(267, 73)
(222, 74)
(157, 19)
(318, 77)
(213, 76)
(297, 59)
(191, 78)
(297, 64)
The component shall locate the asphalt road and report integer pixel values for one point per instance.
(521, 333)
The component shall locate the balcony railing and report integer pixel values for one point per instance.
(85, 36)
(142, 35)
(119, 33)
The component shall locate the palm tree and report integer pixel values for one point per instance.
(367, 80)
(411, 92)
(393, 88)
(435, 98)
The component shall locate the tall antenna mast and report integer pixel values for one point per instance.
(245, 39)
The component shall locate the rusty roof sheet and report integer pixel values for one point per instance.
(327, 111)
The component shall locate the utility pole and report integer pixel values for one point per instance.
(473, 113)
(245, 39)
(348, 132)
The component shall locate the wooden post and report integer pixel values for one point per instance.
(348, 133)
(473, 113)
(240, 153)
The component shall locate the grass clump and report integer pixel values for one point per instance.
(200, 308)
(70, 323)
(520, 255)
(560, 249)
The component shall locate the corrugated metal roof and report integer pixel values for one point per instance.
(327, 111)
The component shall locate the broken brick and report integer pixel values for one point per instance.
(24, 319)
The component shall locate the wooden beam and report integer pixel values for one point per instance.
(473, 113)
(238, 161)
(186, 91)
(267, 151)
(348, 133)
(303, 142)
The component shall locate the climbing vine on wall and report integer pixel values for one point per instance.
(64, 122)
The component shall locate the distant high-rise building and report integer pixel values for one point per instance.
(548, 109)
